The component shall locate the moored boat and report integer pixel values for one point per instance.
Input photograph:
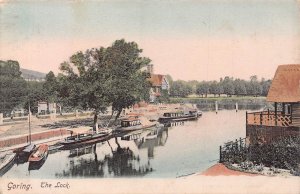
(6, 161)
(39, 154)
(24, 152)
(135, 123)
(178, 116)
(87, 137)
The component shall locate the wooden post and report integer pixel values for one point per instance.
(1, 118)
(260, 118)
(246, 118)
(283, 108)
(241, 143)
(221, 158)
(275, 113)
(291, 107)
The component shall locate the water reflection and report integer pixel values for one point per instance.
(119, 156)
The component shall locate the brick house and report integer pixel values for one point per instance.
(158, 84)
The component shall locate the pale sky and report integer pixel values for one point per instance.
(201, 40)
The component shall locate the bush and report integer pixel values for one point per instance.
(283, 153)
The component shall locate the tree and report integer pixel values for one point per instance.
(228, 86)
(265, 87)
(240, 87)
(13, 86)
(213, 88)
(180, 88)
(253, 87)
(105, 76)
(202, 88)
(170, 80)
(193, 84)
(50, 87)
(84, 79)
(35, 93)
(127, 83)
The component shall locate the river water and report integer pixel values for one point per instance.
(167, 152)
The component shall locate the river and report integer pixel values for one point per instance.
(167, 152)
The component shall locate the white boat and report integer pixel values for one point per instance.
(6, 160)
(135, 123)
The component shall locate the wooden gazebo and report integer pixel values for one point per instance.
(285, 94)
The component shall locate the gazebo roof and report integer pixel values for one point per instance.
(286, 84)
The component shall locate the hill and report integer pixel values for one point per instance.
(32, 75)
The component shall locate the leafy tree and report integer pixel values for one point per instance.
(180, 88)
(84, 80)
(164, 98)
(127, 83)
(228, 86)
(105, 76)
(51, 87)
(265, 87)
(220, 89)
(202, 88)
(170, 80)
(12, 86)
(213, 88)
(35, 91)
(240, 87)
(193, 84)
(253, 87)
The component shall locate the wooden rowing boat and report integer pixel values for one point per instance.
(39, 154)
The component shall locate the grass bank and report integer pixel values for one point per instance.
(244, 102)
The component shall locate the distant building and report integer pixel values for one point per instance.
(43, 107)
(284, 120)
(158, 84)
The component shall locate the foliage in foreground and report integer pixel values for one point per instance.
(282, 153)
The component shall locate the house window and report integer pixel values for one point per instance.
(288, 109)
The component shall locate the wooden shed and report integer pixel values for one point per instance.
(285, 93)
(284, 120)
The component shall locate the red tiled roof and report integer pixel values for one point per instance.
(285, 85)
(156, 79)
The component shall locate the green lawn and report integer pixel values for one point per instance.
(220, 98)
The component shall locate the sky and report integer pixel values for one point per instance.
(189, 40)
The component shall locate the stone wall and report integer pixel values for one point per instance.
(34, 137)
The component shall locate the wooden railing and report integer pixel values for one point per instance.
(268, 118)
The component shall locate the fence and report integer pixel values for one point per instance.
(34, 137)
(268, 118)
(234, 151)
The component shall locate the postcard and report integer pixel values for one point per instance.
(133, 96)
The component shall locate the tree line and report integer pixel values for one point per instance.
(227, 85)
(93, 79)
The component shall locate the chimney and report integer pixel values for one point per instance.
(150, 68)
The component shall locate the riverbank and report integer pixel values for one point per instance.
(235, 170)
(221, 170)
(228, 103)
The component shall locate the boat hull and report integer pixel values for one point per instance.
(4, 167)
(43, 153)
(93, 139)
(176, 119)
(134, 128)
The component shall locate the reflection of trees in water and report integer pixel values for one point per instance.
(121, 162)
(150, 144)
